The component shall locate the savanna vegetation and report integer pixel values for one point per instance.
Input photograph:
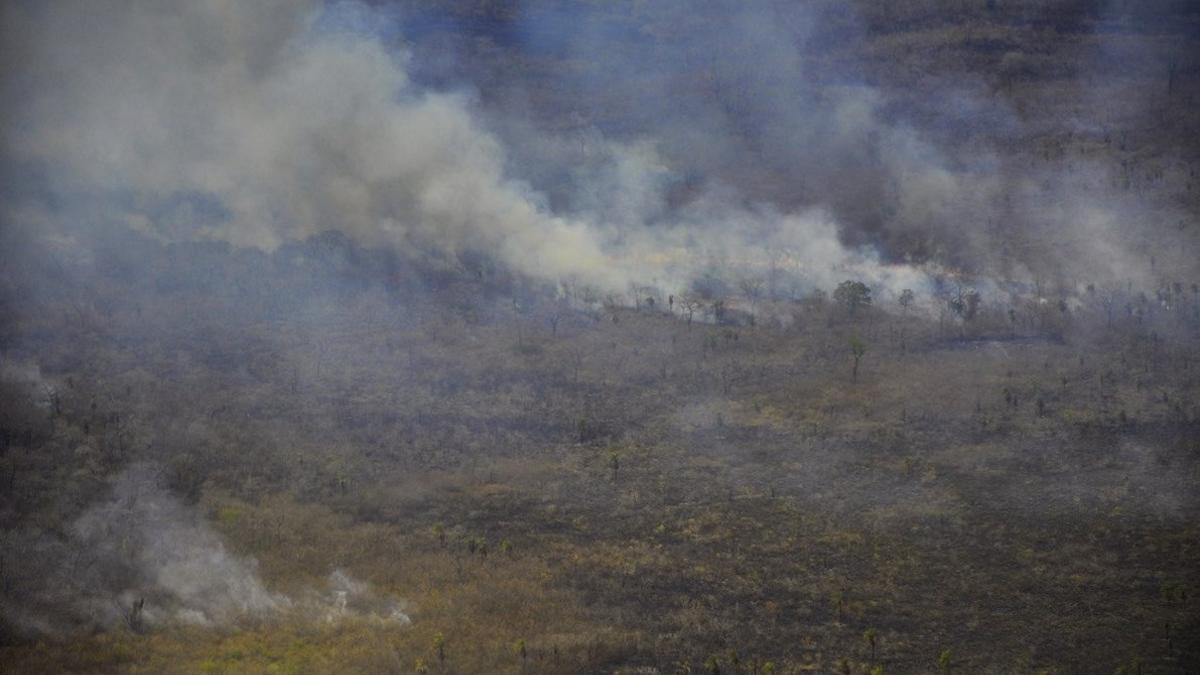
(738, 476)
(609, 487)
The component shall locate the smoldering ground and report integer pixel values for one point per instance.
(140, 558)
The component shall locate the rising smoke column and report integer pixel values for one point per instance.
(791, 107)
(260, 123)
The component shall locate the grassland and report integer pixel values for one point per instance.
(627, 490)
(555, 486)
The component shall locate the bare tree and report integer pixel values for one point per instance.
(752, 288)
(133, 615)
(689, 304)
(556, 311)
(965, 305)
(588, 295)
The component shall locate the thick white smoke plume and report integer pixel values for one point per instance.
(256, 123)
(263, 122)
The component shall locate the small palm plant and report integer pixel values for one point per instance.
(857, 348)
(439, 646)
(870, 636)
(944, 660)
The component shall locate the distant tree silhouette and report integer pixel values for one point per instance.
(852, 295)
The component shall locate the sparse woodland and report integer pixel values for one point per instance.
(747, 477)
(629, 488)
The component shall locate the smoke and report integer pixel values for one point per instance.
(259, 124)
(987, 167)
(349, 596)
(139, 558)
(612, 147)
(264, 123)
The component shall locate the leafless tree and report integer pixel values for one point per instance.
(689, 304)
(752, 288)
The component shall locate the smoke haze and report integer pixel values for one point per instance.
(258, 125)
(139, 548)
(267, 123)
(630, 335)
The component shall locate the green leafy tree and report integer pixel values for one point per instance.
(852, 296)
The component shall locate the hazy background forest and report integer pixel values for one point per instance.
(640, 337)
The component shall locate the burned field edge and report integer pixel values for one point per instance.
(621, 487)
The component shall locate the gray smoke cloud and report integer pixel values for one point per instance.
(138, 558)
(141, 559)
(1011, 167)
(262, 123)
(734, 135)
(257, 123)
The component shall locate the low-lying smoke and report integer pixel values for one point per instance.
(140, 558)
